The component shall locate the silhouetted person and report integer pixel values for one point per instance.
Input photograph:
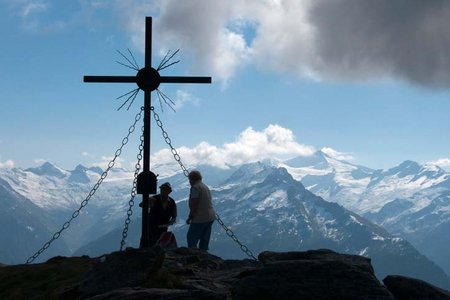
(162, 214)
(201, 214)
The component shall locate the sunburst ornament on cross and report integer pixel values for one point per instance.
(147, 79)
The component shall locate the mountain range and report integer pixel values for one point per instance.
(266, 204)
(410, 200)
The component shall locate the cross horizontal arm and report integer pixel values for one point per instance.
(185, 79)
(123, 79)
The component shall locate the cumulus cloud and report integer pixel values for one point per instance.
(403, 39)
(206, 34)
(201, 29)
(250, 146)
(9, 164)
(320, 39)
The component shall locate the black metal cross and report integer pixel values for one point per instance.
(148, 80)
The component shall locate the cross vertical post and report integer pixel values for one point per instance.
(147, 79)
(144, 243)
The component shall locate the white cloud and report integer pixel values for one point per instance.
(37, 16)
(9, 164)
(182, 98)
(201, 29)
(106, 160)
(84, 153)
(320, 39)
(442, 162)
(336, 154)
(250, 146)
(33, 7)
(206, 35)
(40, 161)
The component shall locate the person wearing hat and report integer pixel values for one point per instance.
(162, 214)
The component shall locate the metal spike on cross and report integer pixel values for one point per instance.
(147, 79)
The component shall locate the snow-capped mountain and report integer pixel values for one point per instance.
(59, 193)
(53, 188)
(23, 227)
(263, 203)
(409, 200)
(268, 210)
(332, 179)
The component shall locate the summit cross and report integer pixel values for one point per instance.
(147, 79)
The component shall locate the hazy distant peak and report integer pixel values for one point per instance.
(408, 167)
(47, 165)
(317, 160)
(255, 172)
(409, 164)
(250, 169)
(271, 162)
(79, 175)
(48, 169)
(80, 168)
(279, 176)
(97, 170)
(321, 153)
(433, 168)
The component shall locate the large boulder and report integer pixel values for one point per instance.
(405, 288)
(320, 274)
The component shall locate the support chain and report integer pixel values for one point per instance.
(133, 192)
(177, 157)
(169, 142)
(91, 193)
(231, 234)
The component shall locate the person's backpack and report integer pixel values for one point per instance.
(167, 240)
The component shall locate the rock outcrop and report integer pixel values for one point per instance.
(404, 288)
(320, 274)
(184, 273)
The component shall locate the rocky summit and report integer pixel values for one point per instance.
(183, 273)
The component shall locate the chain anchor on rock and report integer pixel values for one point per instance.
(177, 158)
(85, 202)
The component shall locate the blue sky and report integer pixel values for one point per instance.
(289, 78)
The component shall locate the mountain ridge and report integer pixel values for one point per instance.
(266, 186)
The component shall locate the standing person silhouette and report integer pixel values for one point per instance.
(201, 213)
(162, 214)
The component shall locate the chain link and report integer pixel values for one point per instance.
(177, 157)
(85, 202)
(231, 234)
(166, 137)
(133, 192)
